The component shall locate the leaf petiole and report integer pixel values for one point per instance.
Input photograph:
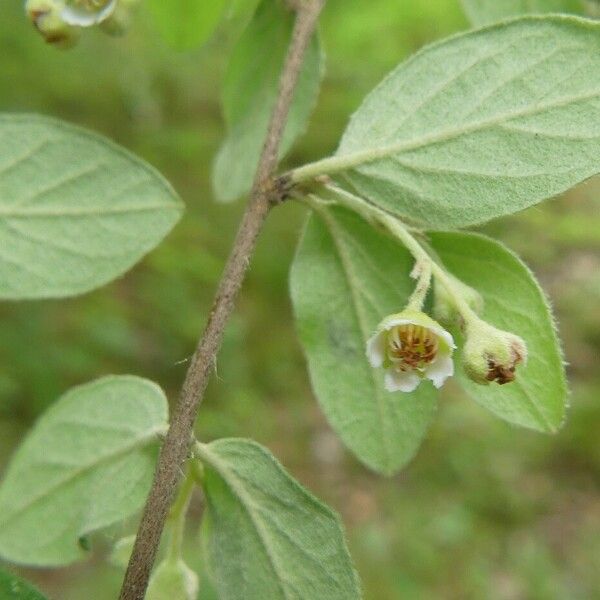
(178, 513)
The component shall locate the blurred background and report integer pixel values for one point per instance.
(485, 510)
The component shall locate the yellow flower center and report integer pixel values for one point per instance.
(411, 346)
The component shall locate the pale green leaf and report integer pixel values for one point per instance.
(75, 209)
(480, 125)
(484, 12)
(185, 24)
(249, 92)
(15, 588)
(173, 580)
(345, 279)
(268, 537)
(85, 465)
(513, 301)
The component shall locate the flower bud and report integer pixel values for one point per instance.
(173, 579)
(444, 309)
(46, 17)
(490, 354)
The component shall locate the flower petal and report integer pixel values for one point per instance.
(439, 370)
(445, 335)
(401, 381)
(376, 349)
(85, 17)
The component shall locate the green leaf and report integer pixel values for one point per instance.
(87, 464)
(484, 12)
(268, 537)
(513, 301)
(480, 125)
(75, 209)
(185, 24)
(15, 588)
(346, 277)
(173, 580)
(249, 93)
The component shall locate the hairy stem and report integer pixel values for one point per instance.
(265, 192)
(422, 272)
(380, 218)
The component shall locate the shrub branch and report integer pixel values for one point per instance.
(266, 191)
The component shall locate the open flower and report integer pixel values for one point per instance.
(85, 13)
(411, 346)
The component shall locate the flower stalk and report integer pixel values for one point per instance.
(490, 354)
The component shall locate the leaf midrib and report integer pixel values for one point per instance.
(240, 493)
(346, 263)
(74, 474)
(341, 162)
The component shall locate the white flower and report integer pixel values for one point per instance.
(411, 346)
(85, 13)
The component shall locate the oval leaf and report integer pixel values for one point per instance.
(249, 93)
(480, 125)
(483, 12)
(75, 209)
(513, 301)
(87, 464)
(345, 278)
(185, 24)
(15, 588)
(268, 537)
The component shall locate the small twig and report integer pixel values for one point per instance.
(265, 192)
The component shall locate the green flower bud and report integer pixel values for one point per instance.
(444, 309)
(490, 354)
(46, 17)
(173, 579)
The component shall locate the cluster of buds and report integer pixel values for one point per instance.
(60, 21)
(411, 347)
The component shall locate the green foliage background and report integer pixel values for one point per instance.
(485, 510)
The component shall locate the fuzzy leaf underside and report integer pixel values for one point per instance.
(76, 210)
(345, 278)
(484, 12)
(513, 301)
(267, 536)
(480, 125)
(86, 464)
(249, 91)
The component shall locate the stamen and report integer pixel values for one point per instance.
(411, 346)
